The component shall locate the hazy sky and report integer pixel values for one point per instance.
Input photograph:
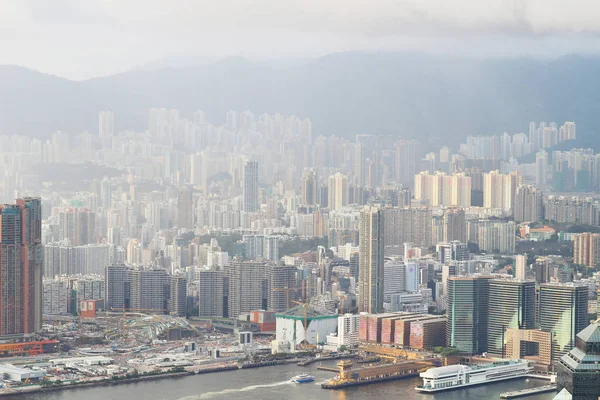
(85, 38)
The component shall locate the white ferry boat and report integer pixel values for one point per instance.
(457, 376)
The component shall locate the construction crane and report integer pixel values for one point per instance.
(305, 306)
(304, 345)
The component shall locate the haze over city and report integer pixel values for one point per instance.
(279, 199)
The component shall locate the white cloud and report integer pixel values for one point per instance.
(82, 38)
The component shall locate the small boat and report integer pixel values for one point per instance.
(303, 378)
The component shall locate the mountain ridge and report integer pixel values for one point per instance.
(406, 94)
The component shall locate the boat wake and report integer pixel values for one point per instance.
(209, 395)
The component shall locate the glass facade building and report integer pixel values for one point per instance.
(563, 311)
(467, 312)
(511, 305)
(578, 371)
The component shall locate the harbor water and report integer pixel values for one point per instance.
(274, 383)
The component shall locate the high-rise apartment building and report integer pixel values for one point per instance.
(406, 225)
(117, 286)
(210, 293)
(56, 297)
(177, 300)
(21, 269)
(271, 250)
(563, 310)
(440, 189)
(520, 267)
(541, 169)
(248, 286)
(467, 313)
(371, 256)
(586, 249)
(511, 305)
(454, 227)
(250, 187)
(492, 236)
(185, 208)
(405, 161)
(282, 287)
(309, 187)
(529, 204)
(337, 192)
(106, 124)
(77, 225)
(145, 289)
(499, 190)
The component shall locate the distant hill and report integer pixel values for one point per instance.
(404, 94)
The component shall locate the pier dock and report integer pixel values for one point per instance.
(528, 392)
(330, 369)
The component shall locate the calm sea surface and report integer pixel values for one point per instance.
(274, 383)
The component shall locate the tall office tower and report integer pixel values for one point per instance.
(106, 124)
(282, 287)
(405, 161)
(210, 293)
(563, 311)
(337, 191)
(185, 208)
(578, 371)
(467, 313)
(511, 305)
(454, 225)
(309, 187)
(586, 249)
(250, 187)
(541, 169)
(177, 298)
(248, 286)
(529, 204)
(117, 286)
(520, 267)
(371, 253)
(493, 193)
